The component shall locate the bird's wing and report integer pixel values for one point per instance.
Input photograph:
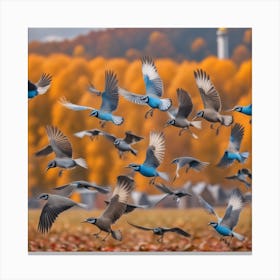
(73, 106)
(44, 83)
(45, 151)
(185, 103)
(92, 89)
(132, 97)
(117, 204)
(140, 227)
(48, 216)
(207, 207)
(88, 185)
(172, 112)
(31, 86)
(110, 96)
(177, 230)
(66, 190)
(233, 210)
(131, 138)
(59, 142)
(225, 161)
(181, 161)
(237, 132)
(155, 151)
(90, 132)
(164, 188)
(110, 137)
(151, 77)
(233, 177)
(210, 97)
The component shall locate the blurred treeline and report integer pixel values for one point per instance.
(131, 43)
(71, 76)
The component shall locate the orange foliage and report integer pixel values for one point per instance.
(70, 79)
(198, 44)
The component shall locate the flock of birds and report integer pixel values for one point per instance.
(118, 205)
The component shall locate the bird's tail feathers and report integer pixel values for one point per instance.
(165, 104)
(244, 156)
(227, 120)
(133, 151)
(238, 236)
(196, 124)
(117, 235)
(117, 120)
(81, 162)
(163, 175)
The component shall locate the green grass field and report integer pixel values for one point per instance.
(68, 234)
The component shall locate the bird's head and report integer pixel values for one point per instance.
(170, 122)
(157, 230)
(237, 108)
(175, 161)
(43, 196)
(199, 114)
(134, 166)
(213, 224)
(90, 220)
(117, 142)
(51, 164)
(94, 113)
(144, 98)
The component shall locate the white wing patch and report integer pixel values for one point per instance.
(157, 140)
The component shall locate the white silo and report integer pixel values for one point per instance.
(222, 43)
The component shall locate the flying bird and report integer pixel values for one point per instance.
(55, 205)
(161, 231)
(131, 207)
(40, 87)
(110, 101)
(224, 226)
(190, 162)
(154, 89)
(68, 189)
(124, 144)
(154, 156)
(92, 133)
(177, 194)
(232, 153)
(242, 175)
(211, 100)
(115, 209)
(61, 146)
(179, 115)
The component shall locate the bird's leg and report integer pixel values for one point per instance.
(120, 154)
(106, 236)
(102, 124)
(60, 172)
(193, 134)
(152, 181)
(212, 126)
(150, 112)
(182, 131)
(174, 177)
(96, 235)
(160, 240)
(218, 129)
(187, 169)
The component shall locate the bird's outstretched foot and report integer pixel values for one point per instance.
(152, 181)
(102, 124)
(181, 131)
(104, 239)
(60, 173)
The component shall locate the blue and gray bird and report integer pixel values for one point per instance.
(154, 156)
(179, 115)
(190, 162)
(224, 226)
(154, 89)
(242, 175)
(177, 194)
(110, 101)
(40, 87)
(232, 153)
(61, 146)
(211, 101)
(161, 231)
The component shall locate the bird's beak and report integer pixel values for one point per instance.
(209, 224)
(46, 170)
(127, 166)
(85, 221)
(230, 110)
(194, 118)
(166, 125)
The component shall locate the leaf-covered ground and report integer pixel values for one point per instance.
(69, 234)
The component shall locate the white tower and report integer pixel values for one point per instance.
(222, 43)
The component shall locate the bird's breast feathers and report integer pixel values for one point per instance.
(148, 171)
